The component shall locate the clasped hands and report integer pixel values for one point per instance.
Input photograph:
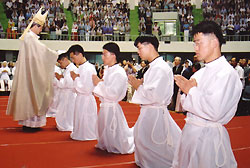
(74, 75)
(58, 76)
(135, 83)
(184, 84)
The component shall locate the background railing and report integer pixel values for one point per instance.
(111, 37)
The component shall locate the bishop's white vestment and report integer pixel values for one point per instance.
(32, 89)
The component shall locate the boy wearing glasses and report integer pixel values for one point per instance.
(210, 99)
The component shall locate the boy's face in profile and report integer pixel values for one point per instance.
(63, 62)
(107, 57)
(143, 50)
(75, 57)
(204, 46)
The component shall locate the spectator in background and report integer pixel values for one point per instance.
(22, 25)
(122, 32)
(2, 34)
(8, 8)
(242, 30)
(148, 25)
(99, 34)
(28, 14)
(155, 30)
(186, 31)
(142, 29)
(187, 73)
(239, 69)
(81, 30)
(237, 30)
(245, 67)
(52, 30)
(144, 68)
(74, 32)
(127, 31)
(116, 30)
(142, 20)
(21, 18)
(65, 31)
(10, 30)
(93, 34)
(87, 31)
(11, 65)
(224, 28)
(248, 80)
(46, 29)
(248, 30)
(196, 66)
(187, 70)
(105, 30)
(177, 69)
(58, 32)
(230, 30)
(5, 75)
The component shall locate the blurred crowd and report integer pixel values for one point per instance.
(100, 20)
(146, 8)
(232, 15)
(20, 13)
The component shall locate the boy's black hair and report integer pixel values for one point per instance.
(76, 49)
(148, 39)
(113, 48)
(63, 55)
(209, 27)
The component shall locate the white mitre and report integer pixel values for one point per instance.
(39, 18)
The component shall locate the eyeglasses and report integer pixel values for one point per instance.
(198, 43)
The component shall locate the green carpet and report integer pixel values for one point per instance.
(3, 18)
(69, 19)
(198, 16)
(134, 23)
